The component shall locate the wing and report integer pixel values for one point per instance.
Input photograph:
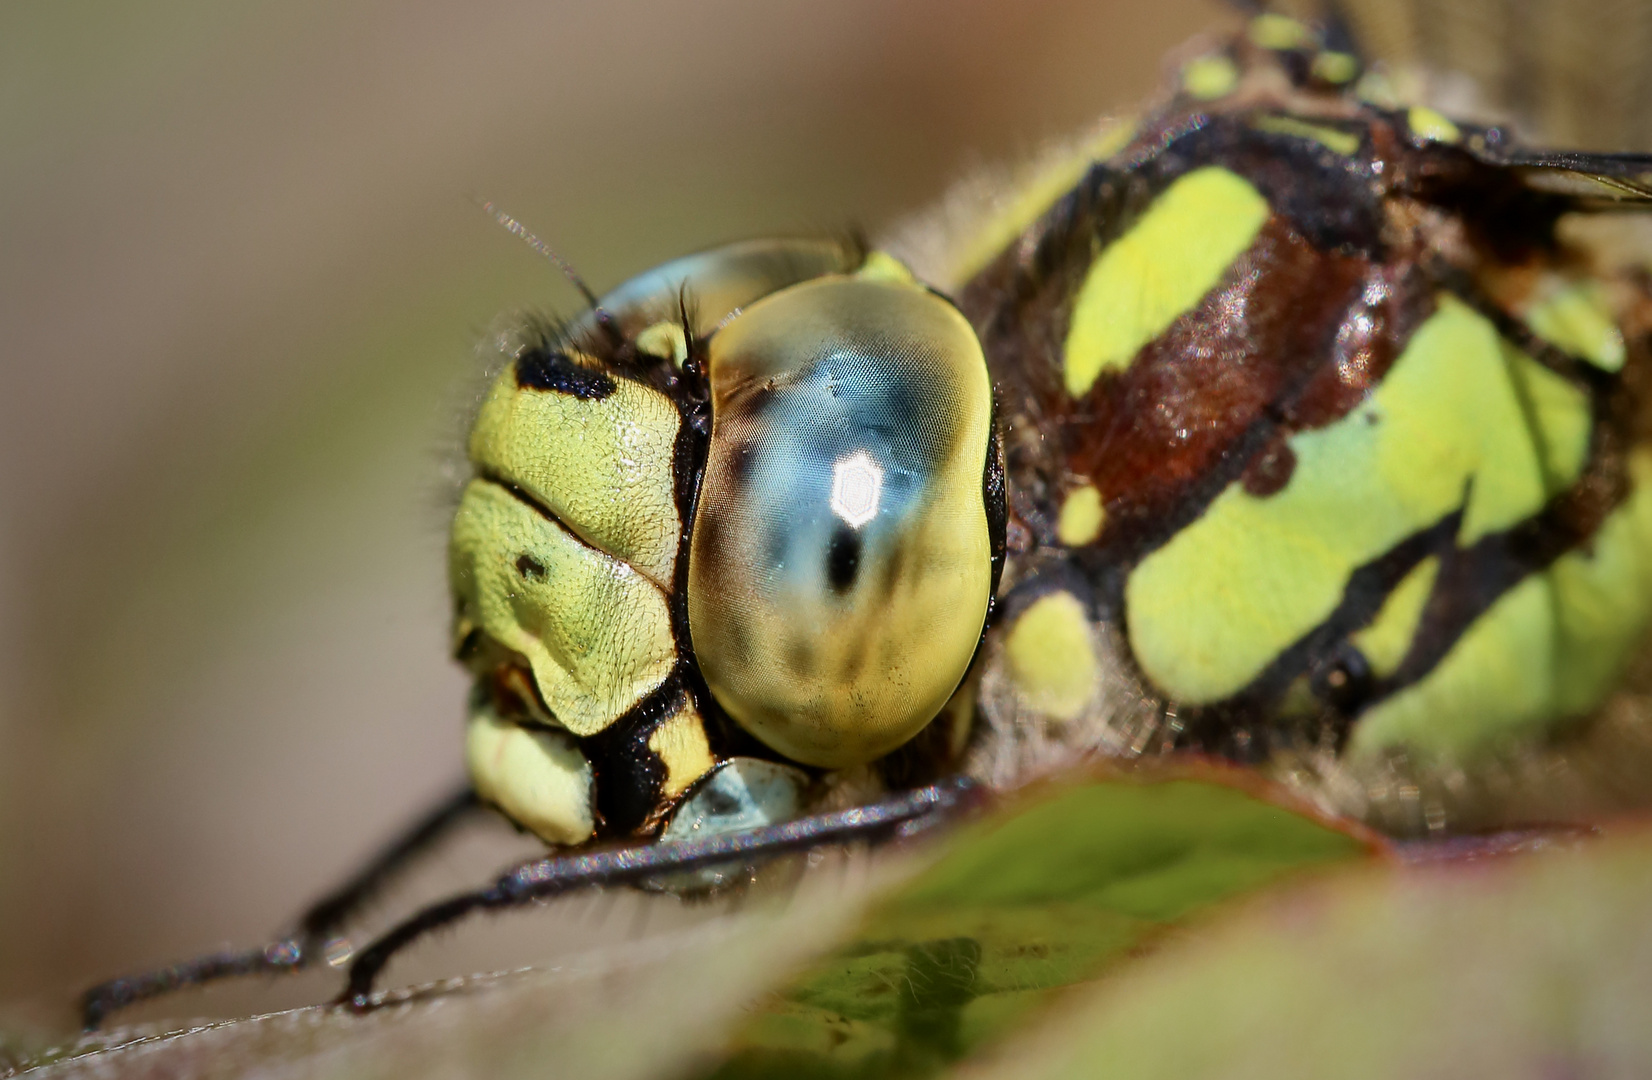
(1567, 73)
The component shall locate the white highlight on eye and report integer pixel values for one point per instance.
(857, 486)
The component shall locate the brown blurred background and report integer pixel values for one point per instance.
(240, 283)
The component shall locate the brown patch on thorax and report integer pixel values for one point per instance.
(1294, 337)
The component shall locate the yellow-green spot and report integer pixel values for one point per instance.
(1274, 31)
(1335, 67)
(1082, 516)
(1428, 125)
(1020, 906)
(1386, 641)
(1161, 267)
(1338, 142)
(1460, 416)
(681, 745)
(1051, 657)
(666, 340)
(1210, 77)
(1378, 89)
(1575, 316)
(882, 266)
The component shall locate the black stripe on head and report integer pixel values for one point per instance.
(629, 775)
(545, 368)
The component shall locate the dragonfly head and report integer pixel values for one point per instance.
(767, 469)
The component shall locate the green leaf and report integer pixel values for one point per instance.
(1053, 891)
(1520, 968)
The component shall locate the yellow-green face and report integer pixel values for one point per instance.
(746, 500)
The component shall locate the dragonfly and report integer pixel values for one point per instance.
(1284, 424)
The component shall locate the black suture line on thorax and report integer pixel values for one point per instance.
(1598, 383)
(1326, 198)
(1367, 590)
(1471, 580)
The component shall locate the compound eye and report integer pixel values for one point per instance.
(720, 281)
(840, 563)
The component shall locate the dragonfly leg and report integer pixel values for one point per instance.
(905, 812)
(301, 946)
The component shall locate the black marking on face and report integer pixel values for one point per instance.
(629, 774)
(545, 368)
(469, 645)
(692, 396)
(530, 568)
(843, 559)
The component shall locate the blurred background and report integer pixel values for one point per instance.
(241, 283)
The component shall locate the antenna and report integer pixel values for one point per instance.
(520, 231)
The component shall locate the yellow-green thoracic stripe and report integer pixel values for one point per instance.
(1575, 316)
(1162, 266)
(1462, 421)
(1549, 648)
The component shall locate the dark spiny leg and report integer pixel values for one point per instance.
(906, 812)
(300, 947)
(328, 916)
